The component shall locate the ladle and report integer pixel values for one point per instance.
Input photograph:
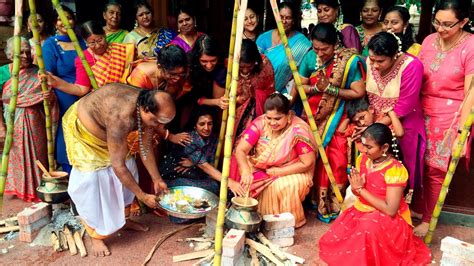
(41, 166)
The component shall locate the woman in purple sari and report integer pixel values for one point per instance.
(393, 83)
(188, 34)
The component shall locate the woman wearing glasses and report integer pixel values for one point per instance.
(109, 62)
(448, 59)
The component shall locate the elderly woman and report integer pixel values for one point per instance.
(109, 62)
(397, 21)
(276, 159)
(270, 45)
(59, 55)
(146, 37)
(329, 11)
(448, 60)
(394, 82)
(370, 15)
(29, 132)
(334, 77)
(188, 33)
(112, 15)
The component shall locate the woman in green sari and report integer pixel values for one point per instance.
(112, 15)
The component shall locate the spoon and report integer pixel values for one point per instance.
(41, 166)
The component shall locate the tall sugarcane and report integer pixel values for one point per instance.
(304, 99)
(228, 135)
(10, 112)
(449, 175)
(77, 47)
(44, 85)
(227, 83)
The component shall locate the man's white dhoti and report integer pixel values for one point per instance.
(100, 197)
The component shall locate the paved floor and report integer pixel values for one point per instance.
(131, 248)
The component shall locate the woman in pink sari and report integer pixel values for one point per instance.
(276, 159)
(448, 59)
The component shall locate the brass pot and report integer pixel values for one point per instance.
(53, 189)
(243, 215)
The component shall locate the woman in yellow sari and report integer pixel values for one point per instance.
(276, 160)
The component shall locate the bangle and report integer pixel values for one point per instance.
(167, 134)
(332, 90)
(359, 190)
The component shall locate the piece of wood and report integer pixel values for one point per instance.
(12, 221)
(275, 250)
(294, 259)
(205, 259)
(70, 241)
(79, 243)
(193, 255)
(9, 229)
(253, 254)
(264, 251)
(55, 242)
(63, 240)
(200, 239)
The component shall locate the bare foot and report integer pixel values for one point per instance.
(99, 249)
(135, 226)
(421, 230)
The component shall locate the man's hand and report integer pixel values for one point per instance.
(149, 200)
(182, 139)
(160, 186)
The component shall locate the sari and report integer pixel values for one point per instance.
(363, 235)
(399, 89)
(116, 37)
(351, 37)
(278, 194)
(150, 44)
(111, 67)
(183, 44)
(29, 133)
(299, 46)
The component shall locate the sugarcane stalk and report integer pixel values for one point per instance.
(44, 85)
(10, 113)
(227, 83)
(304, 99)
(449, 175)
(77, 47)
(228, 136)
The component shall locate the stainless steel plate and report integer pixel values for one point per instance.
(167, 202)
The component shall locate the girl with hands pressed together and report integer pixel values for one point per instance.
(379, 222)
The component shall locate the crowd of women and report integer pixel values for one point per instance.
(372, 90)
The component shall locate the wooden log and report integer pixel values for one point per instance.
(193, 255)
(63, 240)
(264, 251)
(80, 244)
(253, 254)
(55, 242)
(9, 221)
(293, 258)
(205, 259)
(275, 249)
(9, 229)
(70, 241)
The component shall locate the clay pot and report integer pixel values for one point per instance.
(243, 215)
(53, 189)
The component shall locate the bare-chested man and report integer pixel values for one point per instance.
(104, 177)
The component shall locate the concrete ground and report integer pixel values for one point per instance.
(131, 248)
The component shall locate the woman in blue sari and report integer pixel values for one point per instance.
(270, 45)
(337, 76)
(59, 56)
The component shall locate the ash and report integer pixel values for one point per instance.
(63, 217)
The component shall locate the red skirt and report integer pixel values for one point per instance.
(372, 238)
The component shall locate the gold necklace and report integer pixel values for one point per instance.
(377, 164)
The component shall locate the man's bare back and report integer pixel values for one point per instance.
(112, 106)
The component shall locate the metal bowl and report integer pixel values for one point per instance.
(166, 202)
(54, 197)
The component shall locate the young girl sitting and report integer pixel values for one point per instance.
(377, 230)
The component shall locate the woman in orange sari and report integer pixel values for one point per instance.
(276, 159)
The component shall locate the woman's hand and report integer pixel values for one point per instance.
(3, 131)
(181, 169)
(246, 180)
(186, 162)
(51, 80)
(48, 95)
(236, 188)
(182, 139)
(455, 145)
(222, 102)
(323, 81)
(357, 181)
(273, 171)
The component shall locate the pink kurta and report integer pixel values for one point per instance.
(442, 94)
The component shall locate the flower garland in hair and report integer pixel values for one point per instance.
(399, 42)
(286, 94)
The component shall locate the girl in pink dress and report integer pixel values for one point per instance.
(448, 60)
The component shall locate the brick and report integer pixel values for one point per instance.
(34, 213)
(28, 237)
(279, 233)
(278, 221)
(452, 260)
(283, 242)
(233, 243)
(36, 226)
(458, 248)
(230, 261)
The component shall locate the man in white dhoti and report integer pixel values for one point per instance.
(104, 176)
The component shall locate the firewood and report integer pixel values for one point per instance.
(63, 240)
(55, 242)
(294, 259)
(80, 244)
(9, 229)
(70, 241)
(193, 255)
(205, 259)
(264, 251)
(275, 249)
(253, 254)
